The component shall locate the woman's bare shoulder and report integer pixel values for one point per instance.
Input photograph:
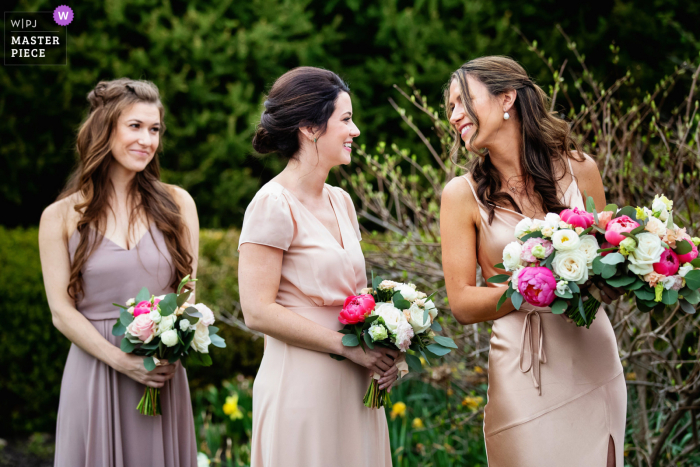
(458, 197)
(61, 216)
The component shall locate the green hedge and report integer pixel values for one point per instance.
(33, 353)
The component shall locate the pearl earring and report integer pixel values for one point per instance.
(506, 115)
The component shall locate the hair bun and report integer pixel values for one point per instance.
(263, 142)
(97, 97)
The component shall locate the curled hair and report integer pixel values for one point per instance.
(302, 97)
(149, 198)
(546, 138)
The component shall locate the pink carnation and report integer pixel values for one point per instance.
(404, 334)
(653, 278)
(668, 264)
(526, 252)
(537, 286)
(356, 309)
(614, 229)
(577, 218)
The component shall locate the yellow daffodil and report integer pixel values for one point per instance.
(417, 423)
(231, 407)
(398, 410)
(472, 403)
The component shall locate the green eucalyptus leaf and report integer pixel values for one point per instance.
(183, 297)
(127, 346)
(612, 259)
(499, 266)
(368, 340)
(438, 350)
(574, 287)
(669, 297)
(559, 306)
(436, 326)
(502, 300)
(567, 295)
(168, 305)
(445, 342)
(696, 262)
(149, 363)
(350, 340)
(213, 330)
(590, 204)
(400, 302)
(376, 281)
(536, 234)
(683, 247)
(126, 318)
(413, 362)
(645, 294)
(611, 207)
(637, 230)
(687, 307)
(517, 300)
(621, 281)
(143, 294)
(691, 296)
(217, 341)
(498, 278)
(628, 211)
(118, 329)
(692, 279)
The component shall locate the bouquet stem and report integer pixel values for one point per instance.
(590, 307)
(150, 402)
(375, 397)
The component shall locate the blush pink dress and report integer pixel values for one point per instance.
(98, 424)
(307, 407)
(556, 391)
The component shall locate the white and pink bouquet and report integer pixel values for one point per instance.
(638, 250)
(397, 316)
(164, 330)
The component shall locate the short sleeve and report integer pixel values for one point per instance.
(352, 214)
(268, 221)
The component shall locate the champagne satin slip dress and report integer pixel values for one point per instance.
(556, 392)
(307, 407)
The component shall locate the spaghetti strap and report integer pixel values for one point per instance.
(571, 169)
(472, 187)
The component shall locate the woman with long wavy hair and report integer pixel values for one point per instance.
(556, 392)
(116, 228)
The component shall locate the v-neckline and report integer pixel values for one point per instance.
(562, 199)
(104, 237)
(335, 213)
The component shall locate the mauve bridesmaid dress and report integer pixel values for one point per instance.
(556, 391)
(98, 424)
(307, 407)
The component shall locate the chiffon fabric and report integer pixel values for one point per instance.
(307, 407)
(98, 423)
(556, 391)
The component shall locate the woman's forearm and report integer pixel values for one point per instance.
(478, 304)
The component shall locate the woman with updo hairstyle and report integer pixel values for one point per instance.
(115, 229)
(300, 258)
(556, 394)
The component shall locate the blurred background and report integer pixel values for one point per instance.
(623, 72)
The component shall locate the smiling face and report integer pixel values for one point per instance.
(136, 136)
(487, 109)
(336, 143)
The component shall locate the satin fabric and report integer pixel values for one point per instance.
(556, 392)
(98, 423)
(307, 407)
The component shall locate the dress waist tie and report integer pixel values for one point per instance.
(537, 356)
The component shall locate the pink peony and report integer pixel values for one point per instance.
(614, 229)
(577, 218)
(605, 246)
(526, 252)
(691, 255)
(668, 264)
(537, 286)
(144, 307)
(142, 327)
(356, 309)
(603, 218)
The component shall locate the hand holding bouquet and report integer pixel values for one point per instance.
(164, 329)
(396, 316)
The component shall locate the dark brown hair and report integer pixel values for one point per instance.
(546, 138)
(148, 196)
(301, 97)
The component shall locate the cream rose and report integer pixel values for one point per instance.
(387, 285)
(407, 292)
(656, 227)
(514, 278)
(207, 315)
(155, 316)
(685, 269)
(571, 265)
(565, 239)
(589, 246)
(552, 219)
(432, 309)
(166, 323)
(131, 302)
(143, 328)
(201, 340)
(415, 319)
(511, 256)
(169, 338)
(648, 252)
(390, 314)
(523, 227)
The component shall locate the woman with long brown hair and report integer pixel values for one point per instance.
(556, 393)
(116, 228)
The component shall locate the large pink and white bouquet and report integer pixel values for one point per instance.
(639, 250)
(164, 330)
(397, 316)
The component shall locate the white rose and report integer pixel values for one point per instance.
(131, 310)
(552, 219)
(656, 227)
(563, 287)
(523, 227)
(207, 315)
(511, 256)
(514, 278)
(131, 302)
(415, 319)
(660, 207)
(571, 265)
(387, 285)
(169, 338)
(201, 340)
(547, 231)
(565, 239)
(685, 269)
(389, 313)
(155, 316)
(589, 246)
(564, 225)
(184, 325)
(432, 309)
(407, 292)
(648, 252)
(166, 323)
(536, 225)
